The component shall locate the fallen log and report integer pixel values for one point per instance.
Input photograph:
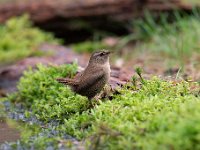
(44, 10)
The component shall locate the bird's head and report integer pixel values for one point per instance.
(100, 57)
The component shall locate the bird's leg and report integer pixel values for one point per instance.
(91, 104)
(98, 96)
(105, 92)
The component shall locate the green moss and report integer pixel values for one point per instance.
(20, 39)
(48, 99)
(159, 115)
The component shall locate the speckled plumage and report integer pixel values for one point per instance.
(92, 80)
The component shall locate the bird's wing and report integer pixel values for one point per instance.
(88, 81)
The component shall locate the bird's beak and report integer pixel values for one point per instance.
(109, 52)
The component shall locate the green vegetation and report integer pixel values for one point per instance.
(48, 99)
(192, 2)
(178, 40)
(20, 39)
(88, 46)
(158, 115)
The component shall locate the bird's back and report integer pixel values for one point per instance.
(92, 80)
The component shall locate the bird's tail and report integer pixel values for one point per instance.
(67, 81)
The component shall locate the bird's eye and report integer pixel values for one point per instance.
(102, 54)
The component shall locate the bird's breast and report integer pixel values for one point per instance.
(106, 66)
(107, 69)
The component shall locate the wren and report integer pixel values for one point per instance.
(96, 75)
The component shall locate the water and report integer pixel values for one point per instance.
(19, 132)
(8, 133)
(8, 129)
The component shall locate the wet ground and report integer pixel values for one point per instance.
(15, 126)
(8, 133)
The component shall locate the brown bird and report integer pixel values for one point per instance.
(92, 80)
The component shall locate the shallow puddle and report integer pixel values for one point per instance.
(8, 128)
(8, 133)
(20, 132)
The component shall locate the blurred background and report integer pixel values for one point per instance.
(160, 36)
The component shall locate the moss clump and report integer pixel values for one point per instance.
(160, 115)
(48, 99)
(20, 39)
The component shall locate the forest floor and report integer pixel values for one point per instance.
(144, 112)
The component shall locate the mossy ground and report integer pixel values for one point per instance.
(20, 39)
(158, 115)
